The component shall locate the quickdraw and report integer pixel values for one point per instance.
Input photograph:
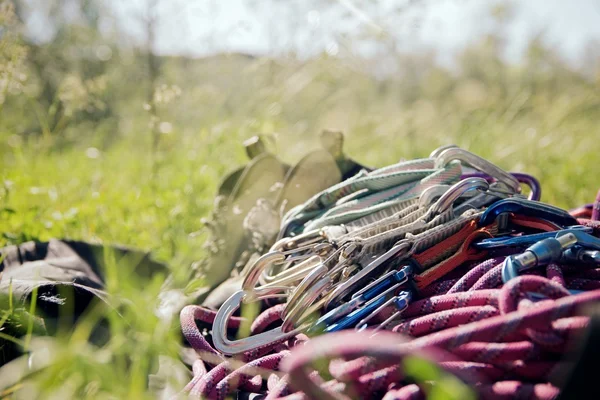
(440, 258)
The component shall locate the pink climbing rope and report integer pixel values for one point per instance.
(489, 335)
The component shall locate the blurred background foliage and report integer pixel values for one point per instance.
(85, 86)
(102, 138)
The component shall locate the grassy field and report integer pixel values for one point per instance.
(150, 190)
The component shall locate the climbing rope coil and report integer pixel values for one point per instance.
(443, 258)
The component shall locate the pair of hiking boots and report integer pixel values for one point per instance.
(251, 200)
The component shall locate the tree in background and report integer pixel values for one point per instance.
(67, 66)
(12, 53)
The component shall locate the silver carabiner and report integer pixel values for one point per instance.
(311, 295)
(454, 193)
(345, 287)
(481, 164)
(292, 274)
(233, 347)
(439, 150)
(254, 272)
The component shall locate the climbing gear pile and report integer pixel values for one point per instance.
(245, 218)
(444, 259)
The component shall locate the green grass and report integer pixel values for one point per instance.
(130, 194)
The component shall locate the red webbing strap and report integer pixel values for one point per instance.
(465, 237)
(534, 223)
(465, 253)
(445, 248)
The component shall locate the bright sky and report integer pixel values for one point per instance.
(200, 27)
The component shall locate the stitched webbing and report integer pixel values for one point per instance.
(354, 209)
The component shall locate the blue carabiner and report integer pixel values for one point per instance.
(541, 253)
(360, 317)
(581, 254)
(382, 286)
(587, 248)
(584, 239)
(384, 282)
(565, 246)
(524, 240)
(528, 208)
(400, 302)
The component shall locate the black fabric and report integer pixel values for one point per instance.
(67, 277)
(351, 168)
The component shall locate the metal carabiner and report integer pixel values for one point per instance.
(389, 281)
(292, 274)
(391, 278)
(310, 296)
(454, 193)
(541, 253)
(528, 208)
(309, 280)
(569, 245)
(345, 287)
(498, 243)
(254, 272)
(580, 254)
(587, 248)
(303, 300)
(330, 267)
(429, 233)
(429, 195)
(319, 250)
(360, 317)
(583, 239)
(401, 302)
(353, 318)
(529, 180)
(233, 347)
(439, 150)
(481, 164)
(295, 242)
